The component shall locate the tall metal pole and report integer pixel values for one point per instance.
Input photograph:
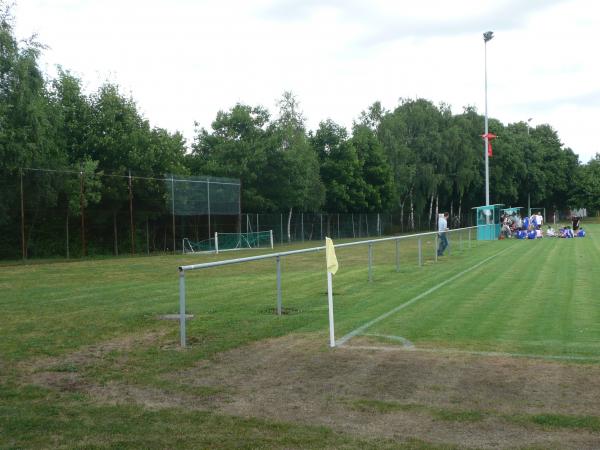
(488, 35)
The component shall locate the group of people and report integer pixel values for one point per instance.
(530, 227)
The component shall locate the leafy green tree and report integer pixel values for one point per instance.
(340, 169)
(293, 175)
(236, 147)
(465, 147)
(586, 186)
(375, 172)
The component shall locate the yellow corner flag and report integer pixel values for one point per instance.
(332, 264)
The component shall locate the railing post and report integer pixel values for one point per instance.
(182, 307)
(370, 262)
(278, 259)
(321, 215)
(397, 255)
(420, 246)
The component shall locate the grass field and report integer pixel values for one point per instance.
(505, 352)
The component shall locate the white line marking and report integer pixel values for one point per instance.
(405, 342)
(367, 325)
(474, 352)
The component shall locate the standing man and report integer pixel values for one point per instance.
(442, 228)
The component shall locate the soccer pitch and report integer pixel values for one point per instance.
(531, 298)
(494, 344)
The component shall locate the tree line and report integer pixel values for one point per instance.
(414, 160)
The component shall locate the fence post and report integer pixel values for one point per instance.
(82, 211)
(302, 225)
(420, 245)
(435, 249)
(397, 255)
(23, 246)
(271, 236)
(132, 230)
(173, 209)
(469, 238)
(338, 218)
(182, 307)
(68, 251)
(281, 227)
(370, 262)
(278, 259)
(216, 243)
(378, 225)
(208, 206)
(321, 225)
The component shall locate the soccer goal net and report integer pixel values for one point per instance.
(230, 241)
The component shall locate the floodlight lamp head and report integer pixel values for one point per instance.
(487, 36)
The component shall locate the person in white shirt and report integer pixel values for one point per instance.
(442, 228)
(540, 220)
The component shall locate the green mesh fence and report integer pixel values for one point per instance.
(195, 196)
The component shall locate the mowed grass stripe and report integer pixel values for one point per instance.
(448, 312)
(521, 303)
(394, 290)
(586, 289)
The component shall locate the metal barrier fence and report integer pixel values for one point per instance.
(279, 255)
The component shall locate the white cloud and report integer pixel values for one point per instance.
(183, 60)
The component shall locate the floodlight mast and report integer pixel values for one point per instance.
(487, 36)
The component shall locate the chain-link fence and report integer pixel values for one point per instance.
(72, 214)
(47, 213)
(300, 227)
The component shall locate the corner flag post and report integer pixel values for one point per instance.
(332, 267)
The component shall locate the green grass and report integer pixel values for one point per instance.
(535, 298)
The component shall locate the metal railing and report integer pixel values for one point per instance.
(279, 255)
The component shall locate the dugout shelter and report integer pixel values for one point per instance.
(487, 218)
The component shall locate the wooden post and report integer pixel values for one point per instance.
(131, 215)
(82, 211)
(23, 245)
(173, 208)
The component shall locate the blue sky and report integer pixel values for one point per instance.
(183, 60)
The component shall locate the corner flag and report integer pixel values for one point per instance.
(332, 264)
(332, 267)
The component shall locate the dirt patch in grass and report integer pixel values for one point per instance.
(464, 400)
(467, 400)
(91, 354)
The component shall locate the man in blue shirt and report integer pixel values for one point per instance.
(442, 228)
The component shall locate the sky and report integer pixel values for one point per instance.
(184, 60)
